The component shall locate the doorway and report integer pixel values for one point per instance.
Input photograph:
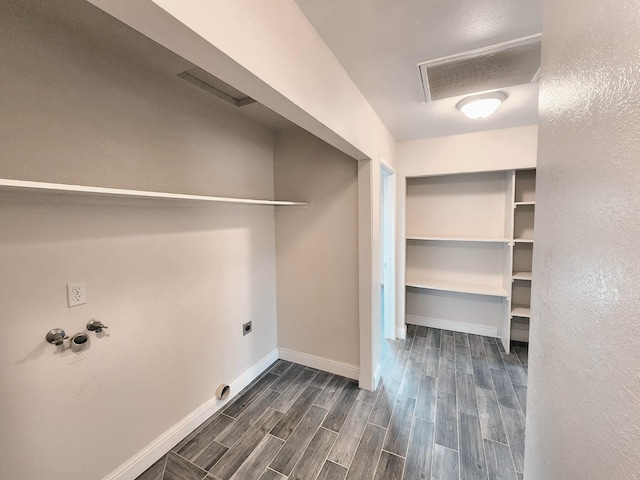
(387, 254)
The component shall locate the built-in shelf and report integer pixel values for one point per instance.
(61, 188)
(522, 204)
(459, 239)
(522, 276)
(523, 240)
(460, 287)
(520, 311)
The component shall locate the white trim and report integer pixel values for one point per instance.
(368, 275)
(137, 464)
(321, 363)
(401, 332)
(388, 254)
(485, 330)
(377, 376)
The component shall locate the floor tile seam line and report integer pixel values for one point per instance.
(445, 447)
(301, 390)
(458, 422)
(326, 457)
(341, 464)
(252, 402)
(513, 460)
(327, 429)
(413, 419)
(515, 355)
(287, 369)
(278, 453)
(274, 373)
(486, 458)
(188, 461)
(518, 409)
(495, 441)
(206, 446)
(251, 423)
(224, 444)
(274, 471)
(473, 378)
(393, 410)
(394, 454)
(164, 465)
(377, 463)
(329, 407)
(304, 414)
(358, 446)
(310, 440)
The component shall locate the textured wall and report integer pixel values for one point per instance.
(173, 283)
(584, 385)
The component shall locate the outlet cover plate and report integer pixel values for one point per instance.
(246, 328)
(76, 294)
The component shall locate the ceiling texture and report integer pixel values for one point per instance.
(381, 42)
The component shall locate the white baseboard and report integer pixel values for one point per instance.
(321, 363)
(486, 330)
(137, 464)
(401, 332)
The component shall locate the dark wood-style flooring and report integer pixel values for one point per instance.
(451, 406)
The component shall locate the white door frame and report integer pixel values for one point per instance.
(388, 247)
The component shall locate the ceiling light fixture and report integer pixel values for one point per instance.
(481, 106)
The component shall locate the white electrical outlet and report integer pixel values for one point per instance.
(76, 294)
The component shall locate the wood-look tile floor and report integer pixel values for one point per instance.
(450, 406)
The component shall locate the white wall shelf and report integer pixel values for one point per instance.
(522, 276)
(460, 287)
(458, 252)
(469, 253)
(459, 239)
(521, 311)
(61, 188)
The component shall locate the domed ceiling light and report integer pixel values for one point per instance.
(481, 106)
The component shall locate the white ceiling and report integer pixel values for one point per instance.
(380, 42)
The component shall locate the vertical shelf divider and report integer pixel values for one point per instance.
(509, 221)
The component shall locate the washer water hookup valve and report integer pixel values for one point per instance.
(95, 326)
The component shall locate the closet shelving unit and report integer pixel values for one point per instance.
(524, 213)
(61, 189)
(468, 251)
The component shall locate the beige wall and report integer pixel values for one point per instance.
(174, 284)
(583, 409)
(272, 52)
(317, 249)
(504, 149)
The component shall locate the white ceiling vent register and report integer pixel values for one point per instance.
(498, 66)
(207, 82)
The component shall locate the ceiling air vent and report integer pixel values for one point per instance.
(498, 66)
(207, 82)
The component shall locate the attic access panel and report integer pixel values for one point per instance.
(213, 85)
(498, 66)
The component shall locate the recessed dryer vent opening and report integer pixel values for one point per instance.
(498, 66)
(213, 85)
